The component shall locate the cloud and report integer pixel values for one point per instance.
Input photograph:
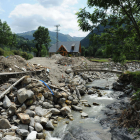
(27, 17)
(48, 3)
(1, 10)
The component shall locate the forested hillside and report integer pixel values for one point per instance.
(61, 37)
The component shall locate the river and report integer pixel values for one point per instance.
(91, 125)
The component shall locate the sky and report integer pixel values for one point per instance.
(27, 15)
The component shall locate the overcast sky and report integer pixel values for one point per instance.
(27, 15)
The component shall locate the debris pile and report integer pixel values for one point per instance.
(31, 106)
(56, 56)
(16, 63)
(65, 61)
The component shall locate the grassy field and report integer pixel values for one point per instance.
(99, 60)
(107, 60)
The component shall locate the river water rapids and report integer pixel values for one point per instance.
(88, 128)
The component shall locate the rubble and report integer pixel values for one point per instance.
(29, 106)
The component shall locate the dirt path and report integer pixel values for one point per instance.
(56, 71)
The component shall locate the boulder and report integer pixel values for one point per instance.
(6, 102)
(30, 94)
(12, 110)
(32, 136)
(76, 108)
(82, 92)
(38, 127)
(40, 136)
(83, 114)
(37, 119)
(39, 111)
(25, 119)
(44, 120)
(65, 110)
(22, 95)
(30, 113)
(22, 132)
(49, 126)
(4, 124)
(55, 111)
(23, 126)
(47, 105)
(75, 102)
(90, 91)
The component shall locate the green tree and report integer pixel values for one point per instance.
(123, 18)
(83, 51)
(6, 36)
(44, 51)
(42, 37)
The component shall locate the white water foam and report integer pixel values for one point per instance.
(49, 137)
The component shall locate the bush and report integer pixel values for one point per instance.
(16, 52)
(1, 51)
(30, 56)
(24, 55)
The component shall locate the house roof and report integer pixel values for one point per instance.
(67, 45)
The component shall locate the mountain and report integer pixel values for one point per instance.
(61, 37)
(86, 42)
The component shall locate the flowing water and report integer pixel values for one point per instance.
(95, 114)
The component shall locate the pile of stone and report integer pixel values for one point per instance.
(28, 110)
(65, 61)
(14, 63)
(31, 107)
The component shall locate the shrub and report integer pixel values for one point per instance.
(16, 52)
(29, 56)
(1, 51)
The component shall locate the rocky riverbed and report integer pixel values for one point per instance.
(73, 110)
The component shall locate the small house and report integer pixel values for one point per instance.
(66, 48)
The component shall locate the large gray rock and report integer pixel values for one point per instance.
(12, 110)
(47, 105)
(84, 76)
(30, 113)
(55, 111)
(22, 95)
(38, 127)
(83, 114)
(30, 94)
(49, 126)
(6, 102)
(4, 124)
(9, 137)
(76, 108)
(37, 119)
(23, 126)
(22, 132)
(82, 92)
(65, 110)
(39, 111)
(32, 136)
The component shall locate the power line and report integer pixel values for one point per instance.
(57, 36)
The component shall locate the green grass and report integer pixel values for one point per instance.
(99, 60)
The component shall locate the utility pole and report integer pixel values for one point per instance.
(57, 36)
